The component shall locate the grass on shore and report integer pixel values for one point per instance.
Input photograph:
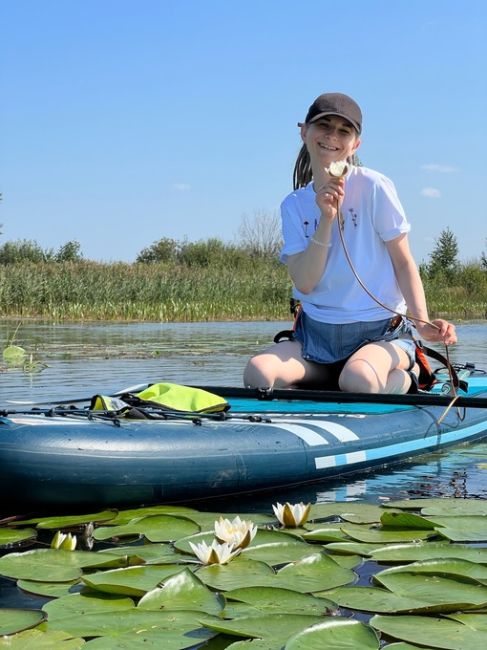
(176, 293)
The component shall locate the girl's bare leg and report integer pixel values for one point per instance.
(377, 368)
(281, 366)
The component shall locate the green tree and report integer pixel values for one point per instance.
(204, 253)
(69, 252)
(24, 250)
(163, 250)
(444, 258)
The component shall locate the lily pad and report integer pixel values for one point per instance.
(470, 528)
(278, 552)
(84, 603)
(237, 574)
(10, 536)
(450, 567)
(405, 520)
(323, 533)
(126, 516)
(431, 631)
(379, 601)
(475, 621)
(134, 581)
(206, 520)
(358, 513)
(73, 521)
(156, 528)
(14, 355)
(41, 640)
(335, 633)
(146, 553)
(353, 548)
(182, 591)
(382, 536)
(47, 589)
(415, 504)
(275, 627)
(51, 565)
(460, 507)
(16, 620)
(314, 573)
(452, 595)
(428, 551)
(259, 600)
(121, 623)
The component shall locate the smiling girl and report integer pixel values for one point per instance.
(351, 285)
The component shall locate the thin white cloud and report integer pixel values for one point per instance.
(431, 192)
(442, 169)
(182, 187)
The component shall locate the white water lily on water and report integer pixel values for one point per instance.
(215, 553)
(237, 532)
(64, 541)
(292, 515)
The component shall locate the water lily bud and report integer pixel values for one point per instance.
(64, 541)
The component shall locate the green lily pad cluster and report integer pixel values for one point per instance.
(290, 589)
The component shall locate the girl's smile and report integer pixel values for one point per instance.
(332, 137)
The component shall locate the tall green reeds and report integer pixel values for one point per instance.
(239, 288)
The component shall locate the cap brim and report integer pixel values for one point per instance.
(355, 125)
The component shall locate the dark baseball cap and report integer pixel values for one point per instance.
(336, 104)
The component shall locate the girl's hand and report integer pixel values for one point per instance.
(330, 195)
(445, 333)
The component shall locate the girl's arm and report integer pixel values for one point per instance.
(306, 268)
(411, 286)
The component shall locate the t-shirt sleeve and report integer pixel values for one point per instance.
(389, 217)
(293, 234)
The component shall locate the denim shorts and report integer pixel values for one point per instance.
(329, 343)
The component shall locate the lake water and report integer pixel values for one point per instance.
(86, 359)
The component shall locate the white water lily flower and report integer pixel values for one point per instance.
(64, 541)
(338, 168)
(292, 516)
(237, 532)
(215, 553)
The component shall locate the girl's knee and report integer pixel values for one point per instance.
(359, 377)
(258, 373)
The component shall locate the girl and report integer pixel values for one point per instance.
(348, 334)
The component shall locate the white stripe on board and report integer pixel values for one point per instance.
(356, 457)
(310, 437)
(38, 421)
(307, 435)
(322, 462)
(341, 433)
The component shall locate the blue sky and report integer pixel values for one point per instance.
(124, 121)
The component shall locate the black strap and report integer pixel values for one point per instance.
(457, 383)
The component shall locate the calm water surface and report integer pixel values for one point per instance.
(85, 359)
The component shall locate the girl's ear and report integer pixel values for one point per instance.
(357, 144)
(304, 131)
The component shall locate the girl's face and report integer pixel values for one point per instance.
(330, 138)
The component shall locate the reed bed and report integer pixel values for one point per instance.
(163, 292)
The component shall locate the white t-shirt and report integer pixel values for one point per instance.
(373, 215)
